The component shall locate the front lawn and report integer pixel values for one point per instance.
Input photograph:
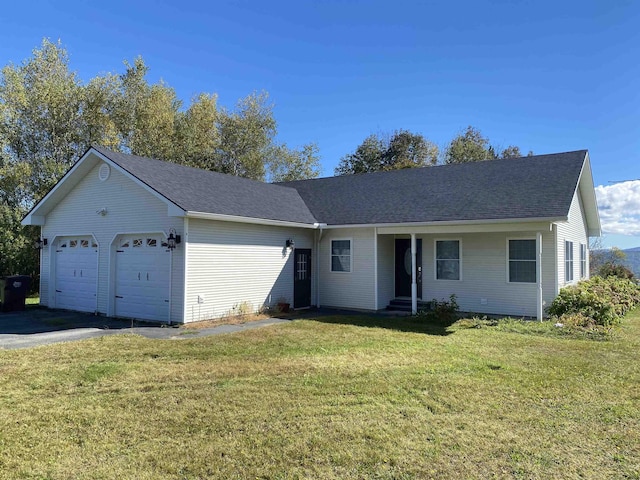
(340, 397)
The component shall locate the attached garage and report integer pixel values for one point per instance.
(142, 276)
(76, 273)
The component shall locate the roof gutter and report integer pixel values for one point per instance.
(257, 221)
(452, 222)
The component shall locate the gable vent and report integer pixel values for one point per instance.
(104, 172)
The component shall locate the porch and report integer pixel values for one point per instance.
(477, 262)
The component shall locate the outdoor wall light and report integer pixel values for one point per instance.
(40, 242)
(173, 240)
(102, 212)
(290, 243)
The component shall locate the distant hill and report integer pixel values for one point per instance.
(633, 260)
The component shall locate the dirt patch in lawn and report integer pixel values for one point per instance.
(235, 320)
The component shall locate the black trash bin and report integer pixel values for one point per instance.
(13, 292)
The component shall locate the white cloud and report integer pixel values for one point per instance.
(619, 207)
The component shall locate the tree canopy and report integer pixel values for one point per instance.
(402, 149)
(472, 146)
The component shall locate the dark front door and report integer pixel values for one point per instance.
(302, 278)
(403, 267)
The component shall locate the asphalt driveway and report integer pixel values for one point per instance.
(42, 326)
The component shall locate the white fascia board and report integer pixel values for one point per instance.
(586, 189)
(32, 219)
(239, 219)
(462, 226)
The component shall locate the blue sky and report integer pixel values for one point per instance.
(546, 76)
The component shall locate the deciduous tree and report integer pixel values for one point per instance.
(49, 118)
(402, 149)
(288, 165)
(472, 146)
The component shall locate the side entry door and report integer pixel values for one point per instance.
(302, 278)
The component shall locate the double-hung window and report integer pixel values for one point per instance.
(341, 256)
(568, 261)
(522, 261)
(583, 260)
(448, 259)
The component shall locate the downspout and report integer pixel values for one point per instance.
(40, 268)
(185, 269)
(319, 226)
(375, 268)
(539, 305)
(170, 283)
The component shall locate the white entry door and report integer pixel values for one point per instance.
(76, 264)
(142, 278)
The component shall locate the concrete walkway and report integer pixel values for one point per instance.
(41, 326)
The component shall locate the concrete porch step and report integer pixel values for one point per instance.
(404, 305)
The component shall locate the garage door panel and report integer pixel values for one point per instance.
(142, 278)
(76, 274)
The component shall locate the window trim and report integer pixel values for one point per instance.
(331, 240)
(569, 264)
(535, 260)
(583, 260)
(435, 259)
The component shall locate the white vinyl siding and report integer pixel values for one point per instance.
(448, 261)
(232, 266)
(130, 209)
(356, 290)
(484, 287)
(574, 230)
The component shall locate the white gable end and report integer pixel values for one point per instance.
(105, 208)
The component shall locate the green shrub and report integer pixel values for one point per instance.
(602, 300)
(611, 269)
(441, 310)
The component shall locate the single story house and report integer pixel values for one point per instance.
(134, 237)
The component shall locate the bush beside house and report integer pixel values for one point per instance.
(598, 301)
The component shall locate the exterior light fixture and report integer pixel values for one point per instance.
(173, 240)
(290, 243)
(40, 242)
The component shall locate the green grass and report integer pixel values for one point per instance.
(340, 397)
(34, 300)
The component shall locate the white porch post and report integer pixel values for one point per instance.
(539, 274)
(375, 268)
(414, 281)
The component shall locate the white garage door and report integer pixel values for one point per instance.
(142, 278)
(76, 273)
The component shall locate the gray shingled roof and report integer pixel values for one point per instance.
(210, 192)
(540, 186)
